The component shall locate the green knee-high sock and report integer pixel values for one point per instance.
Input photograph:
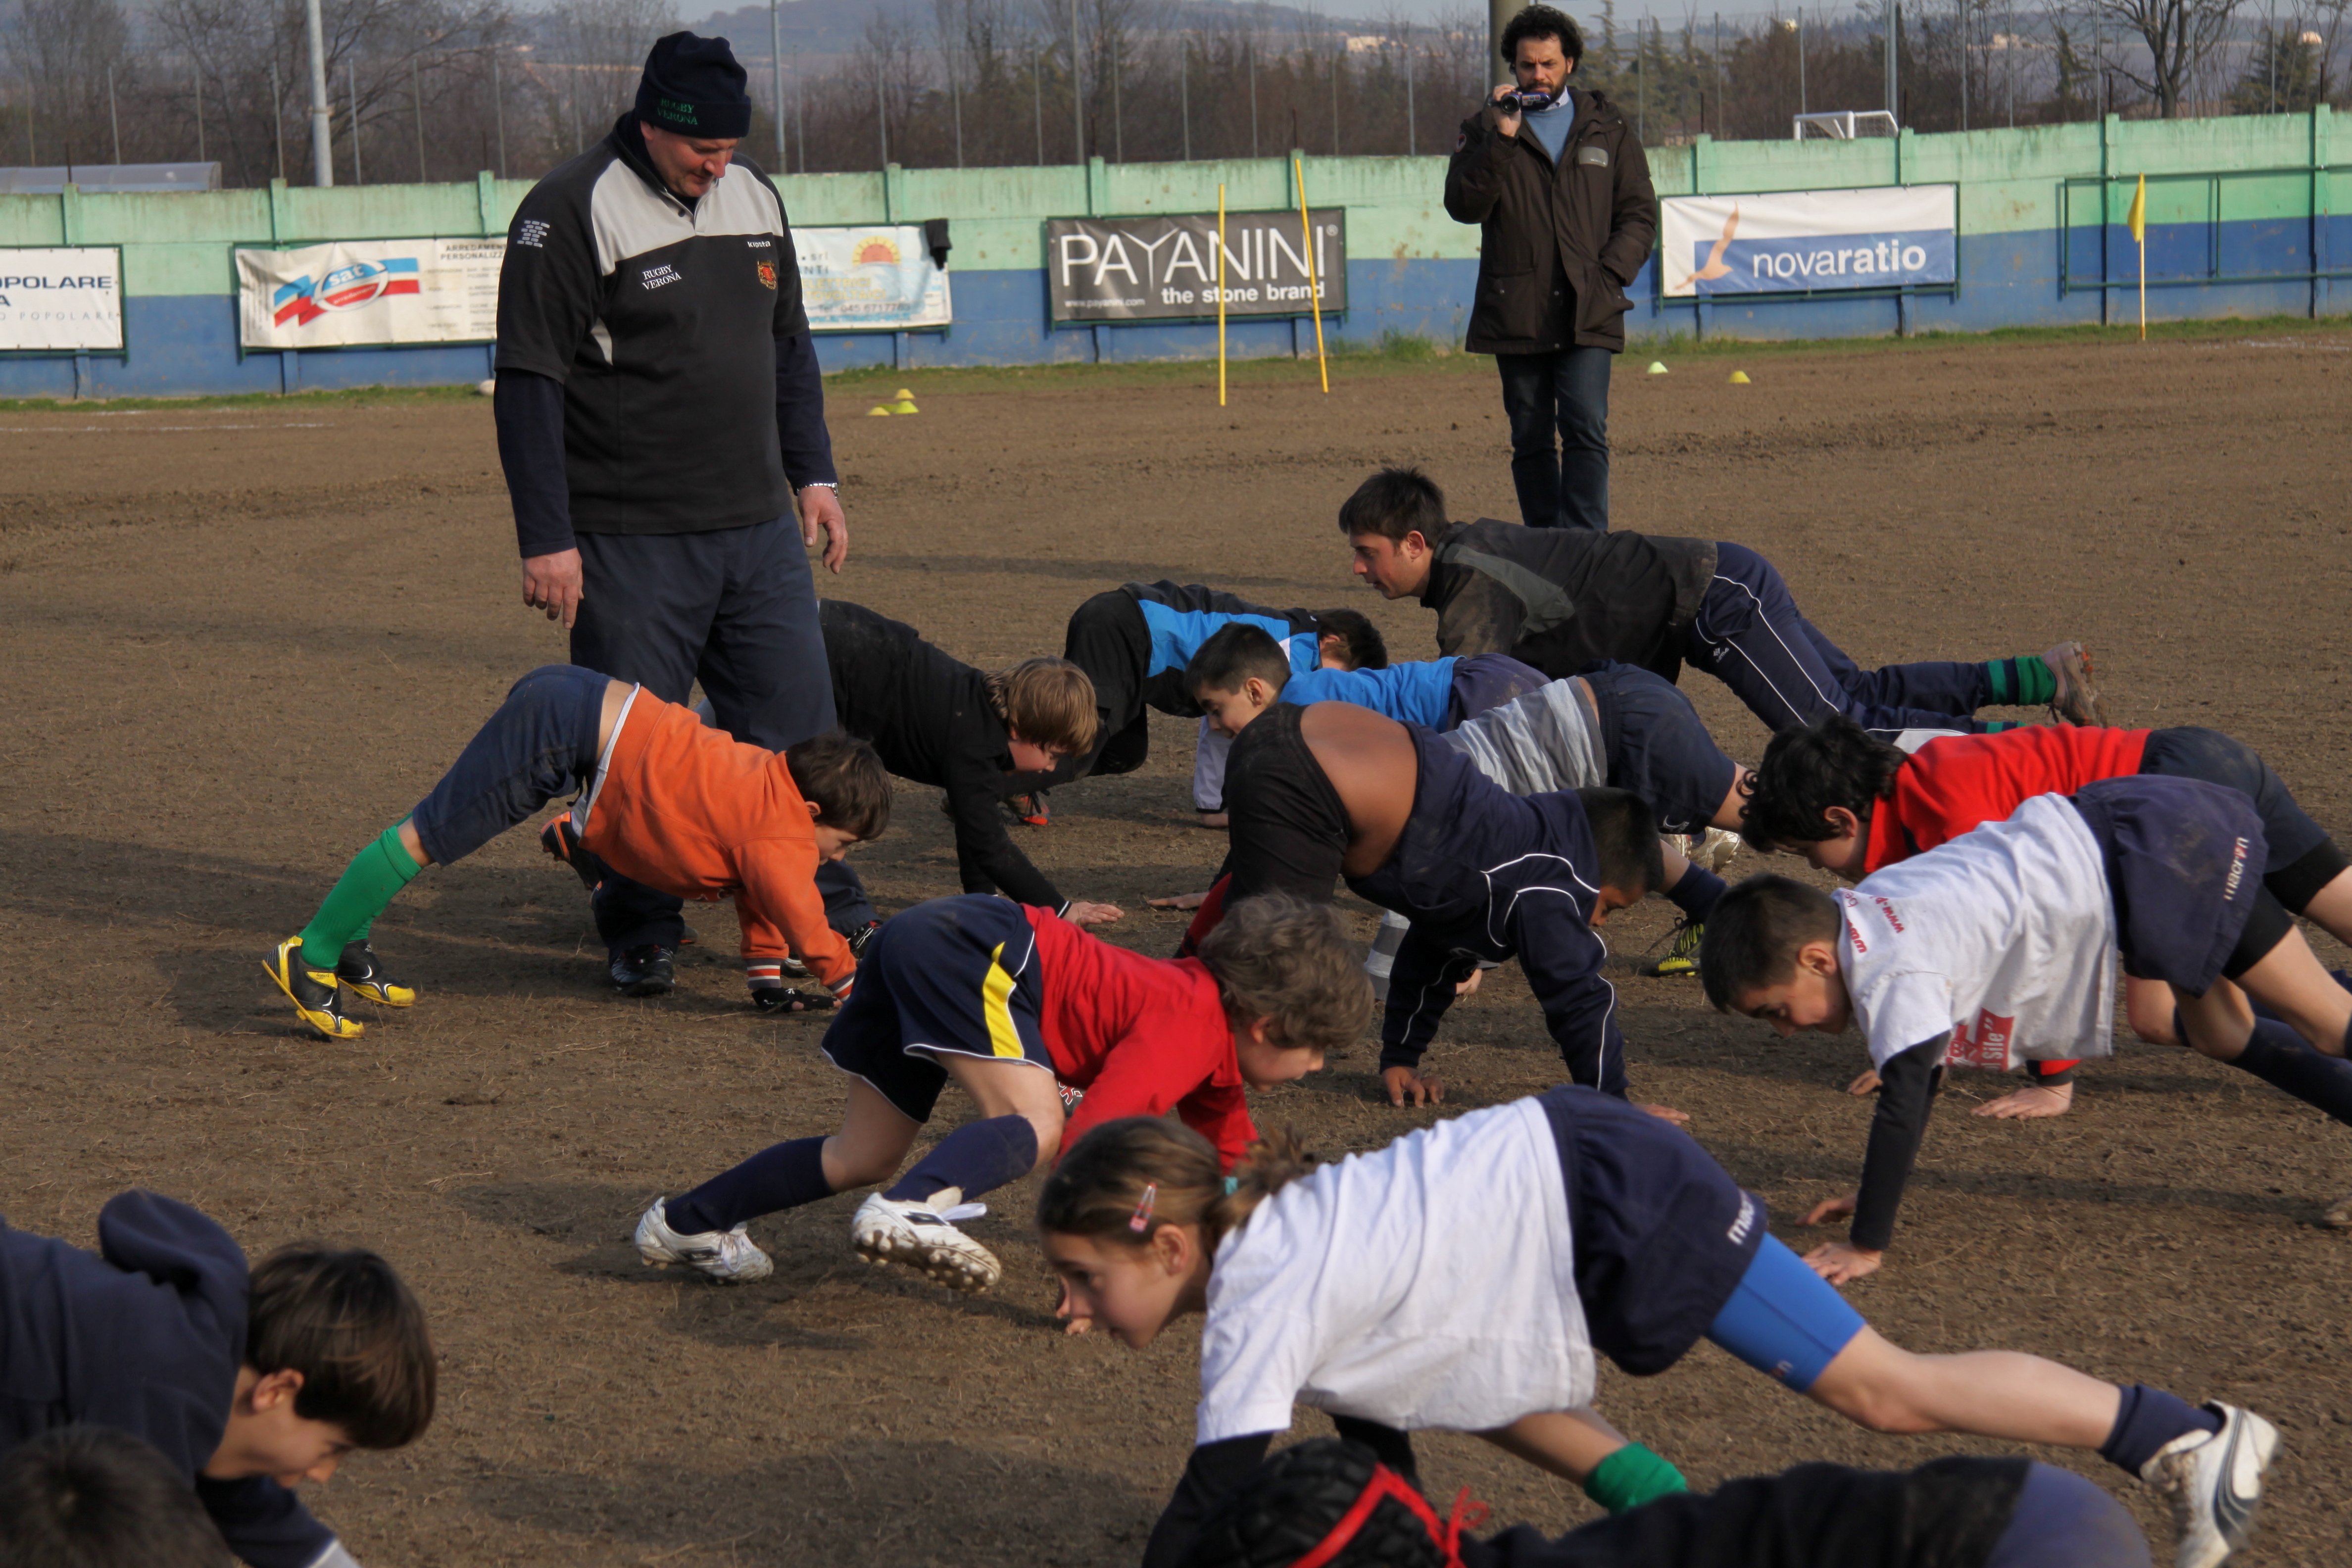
(374, 876)
(2024, 682)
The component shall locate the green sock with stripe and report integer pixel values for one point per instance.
(2025, 681)
(372, 880)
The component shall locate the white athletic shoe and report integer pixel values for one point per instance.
(922, 1238)
(2215, 1481)
(1717, 849)
(729, 1257)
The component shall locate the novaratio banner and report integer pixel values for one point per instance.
(880, 279)
(369, 293)
(1164, 269)
(1786, 242)
(66, 298)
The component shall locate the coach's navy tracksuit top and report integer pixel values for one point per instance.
(145, 1337)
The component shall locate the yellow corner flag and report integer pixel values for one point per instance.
(2138, 220)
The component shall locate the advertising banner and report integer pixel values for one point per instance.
(870, 280)
(1788, 242)
(371, 292)
(1165, 268)
(62, 299)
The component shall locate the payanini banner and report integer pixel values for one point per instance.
(371, 292)
(1789, 242)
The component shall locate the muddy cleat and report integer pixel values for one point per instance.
(560, 838)
(644, 970)
(1680, 959)
(364, 971)
(922, 1238)
(1030, 808)
(2215, 1481)
(2076, 700)
(729, 1257)
(315, 993)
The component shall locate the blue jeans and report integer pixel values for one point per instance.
(733, 608)
(1565, 392)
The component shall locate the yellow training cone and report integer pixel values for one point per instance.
(905, 406)
(1657, 367)
(903, 395)
(1740, 378)
(876, 412)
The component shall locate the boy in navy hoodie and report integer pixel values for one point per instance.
(247, 1382)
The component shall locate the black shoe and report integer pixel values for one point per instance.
(314, 992)
(643, 972)
(863, 934)
(359, 969)
(561, 839)
(784, 999)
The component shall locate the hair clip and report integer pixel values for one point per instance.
(1141, 1220)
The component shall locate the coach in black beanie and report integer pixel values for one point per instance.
(692, 86)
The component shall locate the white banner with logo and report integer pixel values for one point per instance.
(61, 298)
(870, 280)
(1786, 242)
(368, 292)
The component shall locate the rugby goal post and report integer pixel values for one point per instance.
(1846, 125)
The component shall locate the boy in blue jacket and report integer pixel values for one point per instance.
(248, 1381)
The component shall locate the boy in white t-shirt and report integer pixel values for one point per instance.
(1999, 947)
(1465, 1276)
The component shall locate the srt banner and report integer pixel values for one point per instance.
(1159, 269)
(870, 280)
(1786, 242)
(368, 292)
(66, 298)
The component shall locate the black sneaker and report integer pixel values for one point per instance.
(858, 939)
(1680, 961)
(364, 971)
(780, 1000)
(644, 970)
(561, 839)
(314, 992)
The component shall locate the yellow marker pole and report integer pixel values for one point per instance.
(1314, 288)
(2137, 219)
(1221, 296)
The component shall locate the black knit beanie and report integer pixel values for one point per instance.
(693, 87)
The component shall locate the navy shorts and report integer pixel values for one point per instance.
(540, 744)
(955, 976)
(1656, 747)
(1663, 1235)
(2303, 859)
(2184, 861)
(1485, 681)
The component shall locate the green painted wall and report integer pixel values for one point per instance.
(2009, 181)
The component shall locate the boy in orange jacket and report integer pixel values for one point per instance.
(663, 799)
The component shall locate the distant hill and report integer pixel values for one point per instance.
(838, 26)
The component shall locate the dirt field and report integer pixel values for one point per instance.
(239, 641)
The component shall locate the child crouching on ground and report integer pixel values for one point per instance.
(678, 806)
(1011, 1002)
(1465, 1276)
(1999, 947)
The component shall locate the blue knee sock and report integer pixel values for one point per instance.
(2278, 1056)
(972, 1158)
(2149, 1420)
(1696, 894)
(780, 1176)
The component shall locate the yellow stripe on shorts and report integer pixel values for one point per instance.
(995, 997)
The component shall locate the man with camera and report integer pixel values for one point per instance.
(1557, 182)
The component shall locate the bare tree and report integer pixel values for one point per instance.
(2182, 37)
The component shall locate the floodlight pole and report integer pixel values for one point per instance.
(1498, 16)
(776, 75)
(322, 113)
(1894, 87)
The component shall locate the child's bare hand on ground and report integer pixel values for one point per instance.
(1840, 1262)
(1407, 1087)
(1666, 1114)
(1072, 1322)
(1866, 1084)
(2031, 1101)
(1081, 913)
(1470, 987)
(1179, 902)
(1830, 1208)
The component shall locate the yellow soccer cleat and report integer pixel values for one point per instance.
(315, 993)
(362, 971)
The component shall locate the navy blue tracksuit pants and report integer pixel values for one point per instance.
(1748, 635)
(734, 608)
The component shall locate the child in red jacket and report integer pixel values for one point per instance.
(664, 800)
(1018, 1008)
